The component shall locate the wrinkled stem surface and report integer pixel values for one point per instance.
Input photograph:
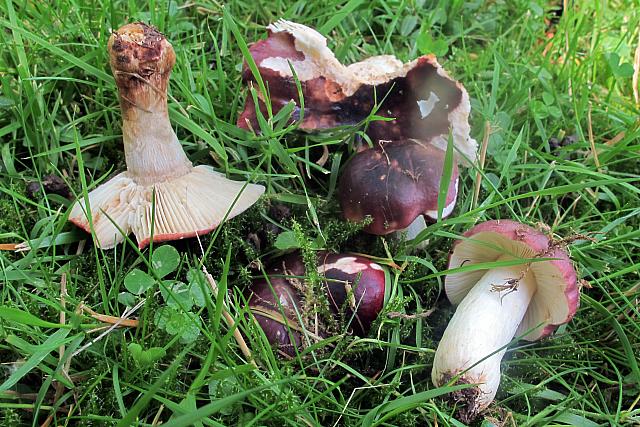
(141, 60)
(152, 150)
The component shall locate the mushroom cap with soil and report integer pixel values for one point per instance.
(354, 286)
(419, 98)
(515, 298)
(161, 193)
(396, 184)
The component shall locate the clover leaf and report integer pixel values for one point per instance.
(125, 298)
(177, 295)
(165, 260)
(427, 44)
(138, 282)
(174, 322)
(146, 357)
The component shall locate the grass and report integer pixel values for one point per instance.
(59, 115)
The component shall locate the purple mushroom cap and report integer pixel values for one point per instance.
(275, 307)
(557, 295)
(353, 284)
(394, 183)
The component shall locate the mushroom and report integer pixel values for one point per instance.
(161, 196)
(276, 303)
(527, 300)
(397, 184)
(354, 285)
(418, 98)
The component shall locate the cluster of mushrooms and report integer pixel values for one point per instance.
(523, 285)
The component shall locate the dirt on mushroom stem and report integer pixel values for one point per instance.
(465, 400)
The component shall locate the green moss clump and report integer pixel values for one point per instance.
(10, 417)
(12, 214)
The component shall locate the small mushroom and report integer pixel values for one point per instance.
(161, 193)
(354, 285)
(276, 307)
(418, 98)
(396, 184)
(527, 300)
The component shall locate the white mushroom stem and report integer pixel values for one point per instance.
(161, 196)
(412, 231)
(415, 228)
(152, 150)
(485, 321)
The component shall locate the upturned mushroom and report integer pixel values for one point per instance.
(396, 184)
(354, 286)
(161, 196)
(524, 299)
(418, 98)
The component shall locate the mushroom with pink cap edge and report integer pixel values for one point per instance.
(528, 300)
(161, 190)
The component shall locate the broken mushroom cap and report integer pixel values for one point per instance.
(557, 296)
(354, 284)
(161, 193)
(419, 97)
(395, 183)
(515, 298)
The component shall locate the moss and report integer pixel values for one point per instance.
(13, 214)
(10, 418)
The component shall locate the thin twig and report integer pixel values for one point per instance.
(59, 387)
(128, 312)
(112, 320)
(325, 156)
(9, 246)
(231, 323)
(422, 315)
(156, 419)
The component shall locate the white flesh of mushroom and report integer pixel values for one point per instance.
(320, 61)
(419, 224)
(477, 335)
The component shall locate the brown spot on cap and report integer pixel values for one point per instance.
(140, 48)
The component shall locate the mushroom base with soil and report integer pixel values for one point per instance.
(477, 335)
(525, 286)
